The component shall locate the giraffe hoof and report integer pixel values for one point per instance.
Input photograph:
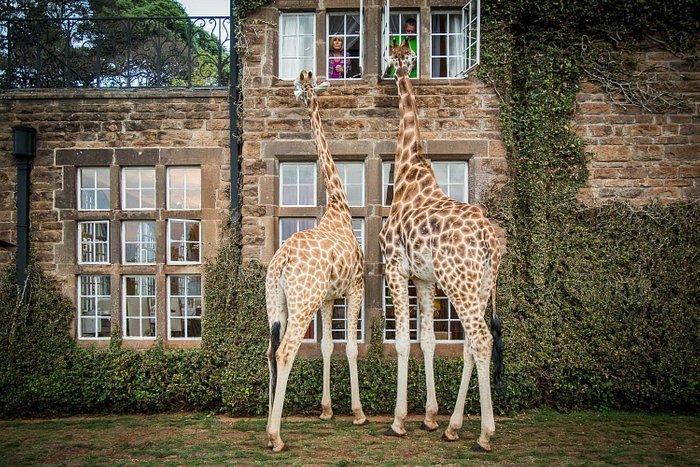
(326, 416)
(280, 448)
(390, 432)
(360, 423)
(424, 426)
(479, 448)
(450, 438)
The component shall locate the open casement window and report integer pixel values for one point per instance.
(297, 44)
(344, 48)
(398, 26)
(454, 41)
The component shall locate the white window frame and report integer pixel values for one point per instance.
(141, 315)
(169, 187)
(184, 241)
(452, 317)
(345, 14)
(342, 172)
(94, 189)
(314, 321)
(139, 190)
(93, 242)
(185, 318)
(460, 54)
(94, 298)
(447, 189)
(358, 228)
(297, 57)
(297, 219)
(386, 36)
(387, 181)
(471, 33)
(386, 294)
(139, 242)
(282, 183)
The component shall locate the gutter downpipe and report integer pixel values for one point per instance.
(233, 121)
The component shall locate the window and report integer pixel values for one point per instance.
(452, 178)
(340, 308)
(139, 188)
(288, 227)
(447, 325)
(93, 242)
(184, 242)
(454, 41)
(297, 184)
(390, 316)
(344, 45)
(185, 298)
(184, 188)
(93, 183)
(139, 239)
(352, 174)
(139, 306)
(297, 39)
(291, 225)
(387, 183)
(399, 26)
(94, 307)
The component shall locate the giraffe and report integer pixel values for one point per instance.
(432, 239)
(310, 270)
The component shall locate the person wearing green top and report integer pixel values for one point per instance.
(409, 32)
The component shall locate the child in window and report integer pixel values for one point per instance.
(338, 65)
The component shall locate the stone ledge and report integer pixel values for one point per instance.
(104, 93)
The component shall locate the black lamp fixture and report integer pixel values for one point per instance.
(23, 141)
(24, 149)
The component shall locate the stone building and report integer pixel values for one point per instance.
(130, 187)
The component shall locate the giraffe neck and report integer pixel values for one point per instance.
(413, 175)
(337, 200)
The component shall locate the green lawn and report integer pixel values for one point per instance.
(539, 437)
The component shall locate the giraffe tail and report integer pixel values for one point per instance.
(498, 344)
(276, 314)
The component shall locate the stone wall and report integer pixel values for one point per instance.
(640, 156)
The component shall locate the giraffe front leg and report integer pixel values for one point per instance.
(354, 308)
(426, 297)
(326, 351)
(483, 366)
(398, 286)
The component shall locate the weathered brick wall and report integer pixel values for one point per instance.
(75, 119)
(639, 156)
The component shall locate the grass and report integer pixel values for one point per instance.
(539, 437)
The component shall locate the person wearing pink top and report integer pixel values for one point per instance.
(338, 64)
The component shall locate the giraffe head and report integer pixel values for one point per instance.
(305, 86)
(402, 58)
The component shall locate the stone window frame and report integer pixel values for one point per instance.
(70, 159)
(187, 318)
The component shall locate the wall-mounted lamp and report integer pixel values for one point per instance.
(24, 150)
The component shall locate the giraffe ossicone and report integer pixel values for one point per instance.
(431, 239)
(309, 272)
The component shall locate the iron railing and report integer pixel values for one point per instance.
(115, 52)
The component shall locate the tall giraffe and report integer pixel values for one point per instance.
(432, 239)
(311, 269)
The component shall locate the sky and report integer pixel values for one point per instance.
(206, 7)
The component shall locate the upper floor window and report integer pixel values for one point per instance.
(184, 188)
(454, 41)
(139, 242)
(93, 187)
(297, 184)
(452, 178)
(297, 44)
(344, 45)
(139, 188)
(184, 241)
(399, 26)
(93, 242)
(352, 174)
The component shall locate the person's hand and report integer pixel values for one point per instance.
(339, 68)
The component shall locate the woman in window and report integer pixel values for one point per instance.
(338, 65)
